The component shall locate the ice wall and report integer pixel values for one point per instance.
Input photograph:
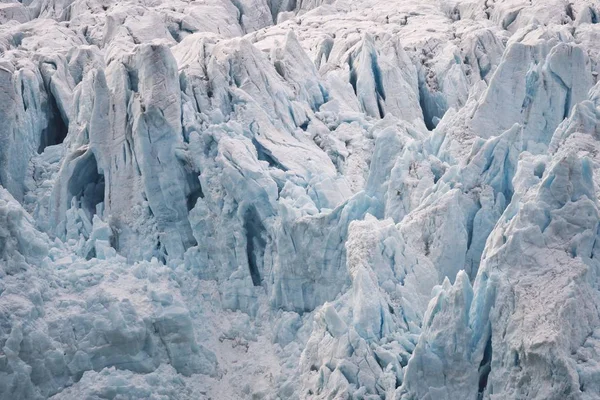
(281, 199)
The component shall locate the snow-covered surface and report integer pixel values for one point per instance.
(272, 199)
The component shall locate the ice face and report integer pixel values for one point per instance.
(317, 199)
(503, 326)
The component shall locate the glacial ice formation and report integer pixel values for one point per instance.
(275, 199)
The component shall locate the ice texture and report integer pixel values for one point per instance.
(272, 199)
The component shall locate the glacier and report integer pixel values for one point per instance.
(323, 199)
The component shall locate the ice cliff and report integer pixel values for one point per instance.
(274, 199)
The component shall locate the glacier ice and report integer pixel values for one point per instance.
(275, 199)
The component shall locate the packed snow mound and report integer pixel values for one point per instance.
(275, 199)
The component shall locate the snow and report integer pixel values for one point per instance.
(289, 200)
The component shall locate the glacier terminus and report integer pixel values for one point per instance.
(300, 199)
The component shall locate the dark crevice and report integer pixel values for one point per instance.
(485, 368)
(510, 18)
(539, 170)
(437, 173)
(56, 130)
(325, 95)
(132, 36)
(324, 51)
(114, 239)
(87, 185)
(240, 9)
(193, 197)
(161, 252)
(174, 32)
(255, 243)
(455, 14)
(379, 87)
(432, 110)
(25, 100)
(176, 29)
(377, 75)
(470, 228)
(508, 177)
(567, 89)
(531, 86)
(195, 191)
(276, 8)
(91, 254)
(487, 9)
(17, 39)
(380, 107)
(569, 11)
(133, 79)
(567, 110)
(66, 14)
(265, 155)
(348, 373)
(279, 68)
(353, 77)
